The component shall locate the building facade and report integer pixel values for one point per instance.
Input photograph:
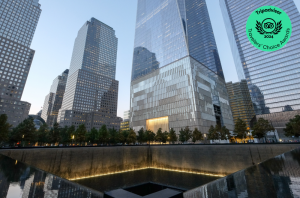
(240, 101)
(126, 115)
(125, 125)
(91, 94)
(16, 34)
(177, 77)
(53, 100)
(272, 77)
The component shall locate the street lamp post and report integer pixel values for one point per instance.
(23, 140)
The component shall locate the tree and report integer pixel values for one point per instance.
(25, 132)
(159, 136)
(149, 136)
(224, 133)
(65, 138)
(93, 136)
(197, 135)
(172, 136)
(261, 128)
(81, 134)
(185, 135)
(71, 133)
(240, 129)
(114, 136)
(42, 134)
(212, 133)
(103, 135)
(131, 137)
(165, 137)
(293, 127)
(123, 136)
(54, 135)
(4, 128)
(141, 137)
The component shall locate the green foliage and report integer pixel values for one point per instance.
(293, 127)
(261, 128)
(142, 136)
(212, 133)
(185, 135)
(240, 129)
(165, 137)
(92, 136)
(224, 133)
(54, 136)
(159, 135)
(71, 132)
(123, 136)
(103, 135)
(114, 136)
(149, 136)
(131, 137)
(197, 135)
(25, 132)
(42, 134)
(4, 128)
(81, 133)
(172, 136)
(65, 137)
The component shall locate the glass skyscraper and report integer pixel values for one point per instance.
(273, 77)
(177, 77)
(18, 21)
(167, 30)
(53, 100)
(91, 94)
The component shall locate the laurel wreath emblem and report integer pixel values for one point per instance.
(262, 31)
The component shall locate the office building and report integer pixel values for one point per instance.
(17, 26)
(53, 100)
(126, 115)
(177, 77)
(91, 94)
(240, 101)
(273, 77)
(125, 125)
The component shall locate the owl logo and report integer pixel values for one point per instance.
(268, 26)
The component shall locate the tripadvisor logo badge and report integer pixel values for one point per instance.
(269, 28)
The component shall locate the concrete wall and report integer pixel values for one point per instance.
(71, 163)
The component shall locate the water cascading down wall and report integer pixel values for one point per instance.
(84, 162)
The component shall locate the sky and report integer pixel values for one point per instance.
(58, 27)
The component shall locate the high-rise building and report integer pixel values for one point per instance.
(53, 100)
(92, 92)
(240, 101)
(126, 115)
(17, 26)
(177, 77)
(273, 77)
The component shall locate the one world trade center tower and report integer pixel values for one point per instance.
(177, 78)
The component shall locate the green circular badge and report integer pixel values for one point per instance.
(269, 28)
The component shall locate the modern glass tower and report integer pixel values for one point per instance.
(273, 77)
(53, 100)
(91, 94)
(18, 21)
(169, 30)
(177, 77)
